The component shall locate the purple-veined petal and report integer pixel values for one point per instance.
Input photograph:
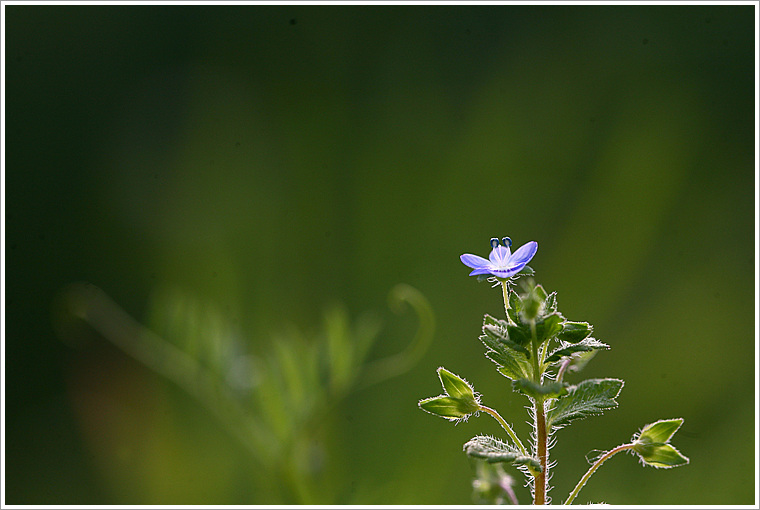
(480, 270)
(474, 261)
(506, 273)
(523, 255)
(499, 256)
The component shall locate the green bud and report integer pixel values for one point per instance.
(458, 402)
(660, 455)
(532, 300)
(449, 407)
(653, 444)
(455, 386)
(660, 431)
(531, 306)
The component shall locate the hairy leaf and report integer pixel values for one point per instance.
(579, 360)
(512, 363)
(497, 332)
(495, 450)
(548, 326)
(575, 331)
(550, 304)
(504, 333)
(547, 390)
(515, 307)
(587, 344)
(519, 335)
(540, 293)
(590, 397)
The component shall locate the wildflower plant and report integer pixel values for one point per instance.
(535, 347)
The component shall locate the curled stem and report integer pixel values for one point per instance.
(394, 365)
(593, 468)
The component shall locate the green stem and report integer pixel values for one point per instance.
(506, 427)
(593, 468)
(537, 375)
(505, 293)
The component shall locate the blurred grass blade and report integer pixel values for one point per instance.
(340, 350)
(94, 306)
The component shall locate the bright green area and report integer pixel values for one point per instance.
(252, 182)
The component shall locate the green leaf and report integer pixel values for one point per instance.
(546, 390)
(447, 407)
(660, 431)
(498, 330)
(660, 455)
(515, 307)
(590, 397)
(540, 293)
(454, 385)
(512, 363)
(519, 334)
(574, 332)
(587, 344)
(548, 326)
(501, 332)
(493, 450)
(527, 271)
(579, 360)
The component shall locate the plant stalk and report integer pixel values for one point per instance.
(539, 483)
(505, 293)
(593, 468)
(539, 488)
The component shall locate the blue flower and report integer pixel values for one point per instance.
(501, 262)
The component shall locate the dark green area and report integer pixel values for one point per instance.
(220, 169)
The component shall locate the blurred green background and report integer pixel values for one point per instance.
(251, 182)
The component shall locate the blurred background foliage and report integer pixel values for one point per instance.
(246, 184)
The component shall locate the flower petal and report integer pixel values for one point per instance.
(499, 256)
(523, 255)
(474, 261)
(480, 270)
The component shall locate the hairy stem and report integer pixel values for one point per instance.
(593, 468)
(506, 427)
(539, 488)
